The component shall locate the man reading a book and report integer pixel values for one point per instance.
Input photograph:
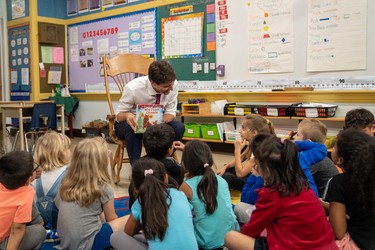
(159, 87)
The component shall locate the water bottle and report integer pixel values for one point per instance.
(58, 90)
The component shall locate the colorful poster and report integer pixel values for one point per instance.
(182, 36)
(270, 37)
(47, 54)
(18, 9)
(58, 55)
(337, 35)
(133, 33)
(19, 61)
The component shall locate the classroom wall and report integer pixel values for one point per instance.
(234, 54)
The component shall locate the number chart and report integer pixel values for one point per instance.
(90, 41)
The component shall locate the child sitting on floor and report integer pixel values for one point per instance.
(315, 131)
(209, 195)
(163, 213)
(238, 170)
(16, 201)
(158, 143)
(52, 153)
(351, 195)
(286, 204)
(85, 193)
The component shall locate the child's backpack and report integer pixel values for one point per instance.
(45, 203)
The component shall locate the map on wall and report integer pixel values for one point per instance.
(89, 42)
(337, 35)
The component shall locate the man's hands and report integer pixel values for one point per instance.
(130, 119)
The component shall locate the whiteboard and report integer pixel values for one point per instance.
(233, 50)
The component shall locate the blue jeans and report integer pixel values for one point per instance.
(134, 141)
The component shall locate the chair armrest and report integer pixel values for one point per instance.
(111, 125)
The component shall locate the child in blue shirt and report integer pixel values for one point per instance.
(209, 195)
(163, 213)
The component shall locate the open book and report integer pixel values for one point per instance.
(147, 115)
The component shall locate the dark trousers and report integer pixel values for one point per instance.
(233, 181)
(134, 141)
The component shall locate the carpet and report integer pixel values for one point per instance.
(122, 206)
(121, 209)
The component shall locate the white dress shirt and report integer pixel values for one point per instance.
(140, 91)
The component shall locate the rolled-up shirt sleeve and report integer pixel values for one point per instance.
(127, 101)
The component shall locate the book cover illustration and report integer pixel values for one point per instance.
(147, 115)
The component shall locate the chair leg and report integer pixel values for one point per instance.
(119, 166)
(116, 160)
(14, 145)
(26, 143)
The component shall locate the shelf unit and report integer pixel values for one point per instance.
(234, 117)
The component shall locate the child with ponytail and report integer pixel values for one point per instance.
(209, 195)
(162, 213)
(286, 205)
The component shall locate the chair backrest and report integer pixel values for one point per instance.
(43, 111)
(122, 69)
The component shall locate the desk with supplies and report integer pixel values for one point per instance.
(23, 110)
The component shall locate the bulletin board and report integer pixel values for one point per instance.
(51, 54)
(90, 41)
(182, 20)
(19, 62)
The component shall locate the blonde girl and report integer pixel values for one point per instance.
(236, 171)
(52, 154)
(84, 194)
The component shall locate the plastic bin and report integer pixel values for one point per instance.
(192, 130)
(210, 131)
(237, 109)
(314, 110)
(274, 110)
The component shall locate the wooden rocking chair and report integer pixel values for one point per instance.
(122, 69)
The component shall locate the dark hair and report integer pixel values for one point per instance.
(16, 167)
(197, 160)
(161, 72)
(157, 140)
(359, 119)
(279, 164)
(358, 152)
(153, 196)
(174, 170)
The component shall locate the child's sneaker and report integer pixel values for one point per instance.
(52, 236)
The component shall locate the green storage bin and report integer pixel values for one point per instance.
(192, 130)
(210, 131)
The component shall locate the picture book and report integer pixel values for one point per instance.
(147, 115)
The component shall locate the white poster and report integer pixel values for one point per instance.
(25, 76)
(270, 42)
(336, 35)
(18, 9)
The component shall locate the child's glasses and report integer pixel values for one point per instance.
(36, 166)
